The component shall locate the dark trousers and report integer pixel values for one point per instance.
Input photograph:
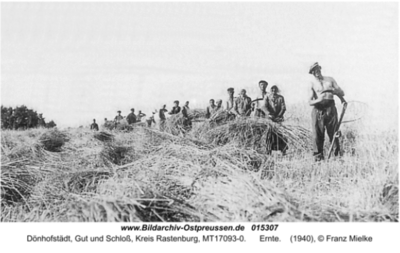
(162, 124)
(324, 115)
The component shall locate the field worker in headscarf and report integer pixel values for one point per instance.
(259, 102)
(176, 109)
(140, 116)
(275, 104)
(161, 115)
(242, 104)
(210, 108)
(324, 114)
(131, 118)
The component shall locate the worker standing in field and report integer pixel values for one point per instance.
(41, 121)
(186, 105)
(140, 116)
(131, 118)
(151, 120)
(187, 121)
(242, 105)
(161, 115)
(210, 108)
(94, 126)
(176, 109)
(324, 114)
(275, 104)
(231, 100)
(259, 102)
(230, 103)
(218, 108)
(274, 107)
(118, 118)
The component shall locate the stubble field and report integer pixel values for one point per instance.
(206, 175)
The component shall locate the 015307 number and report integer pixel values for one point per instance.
(264, 227)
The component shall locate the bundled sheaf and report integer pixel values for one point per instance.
(53, 140)
(177, 124)
(117, 154)
(104, 136)
(17, 182)
(122, 125)
(256, 133)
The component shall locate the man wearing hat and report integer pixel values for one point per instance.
(176, 109)
(324, 114)
(131, 118)
(242, 105)
(259, 102)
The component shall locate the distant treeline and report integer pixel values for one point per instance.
(21, 117)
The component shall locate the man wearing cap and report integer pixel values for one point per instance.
(260, 101)
(176, 109)
(161, 115)
(324, 114)
(210, 108)
(242, 105)
(131, 118)
(94, 126)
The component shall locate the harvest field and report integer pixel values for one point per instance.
(213, 173)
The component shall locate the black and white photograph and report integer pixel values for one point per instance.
(199, 112)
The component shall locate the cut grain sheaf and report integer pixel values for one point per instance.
(53, 140)
(258, 134)
(104, 136)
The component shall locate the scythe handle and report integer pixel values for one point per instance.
(337, 132)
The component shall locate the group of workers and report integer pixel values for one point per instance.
(269, 105)
(132, 118)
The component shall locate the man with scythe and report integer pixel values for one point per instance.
(324, 114)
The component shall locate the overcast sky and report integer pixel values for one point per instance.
(79, 61)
